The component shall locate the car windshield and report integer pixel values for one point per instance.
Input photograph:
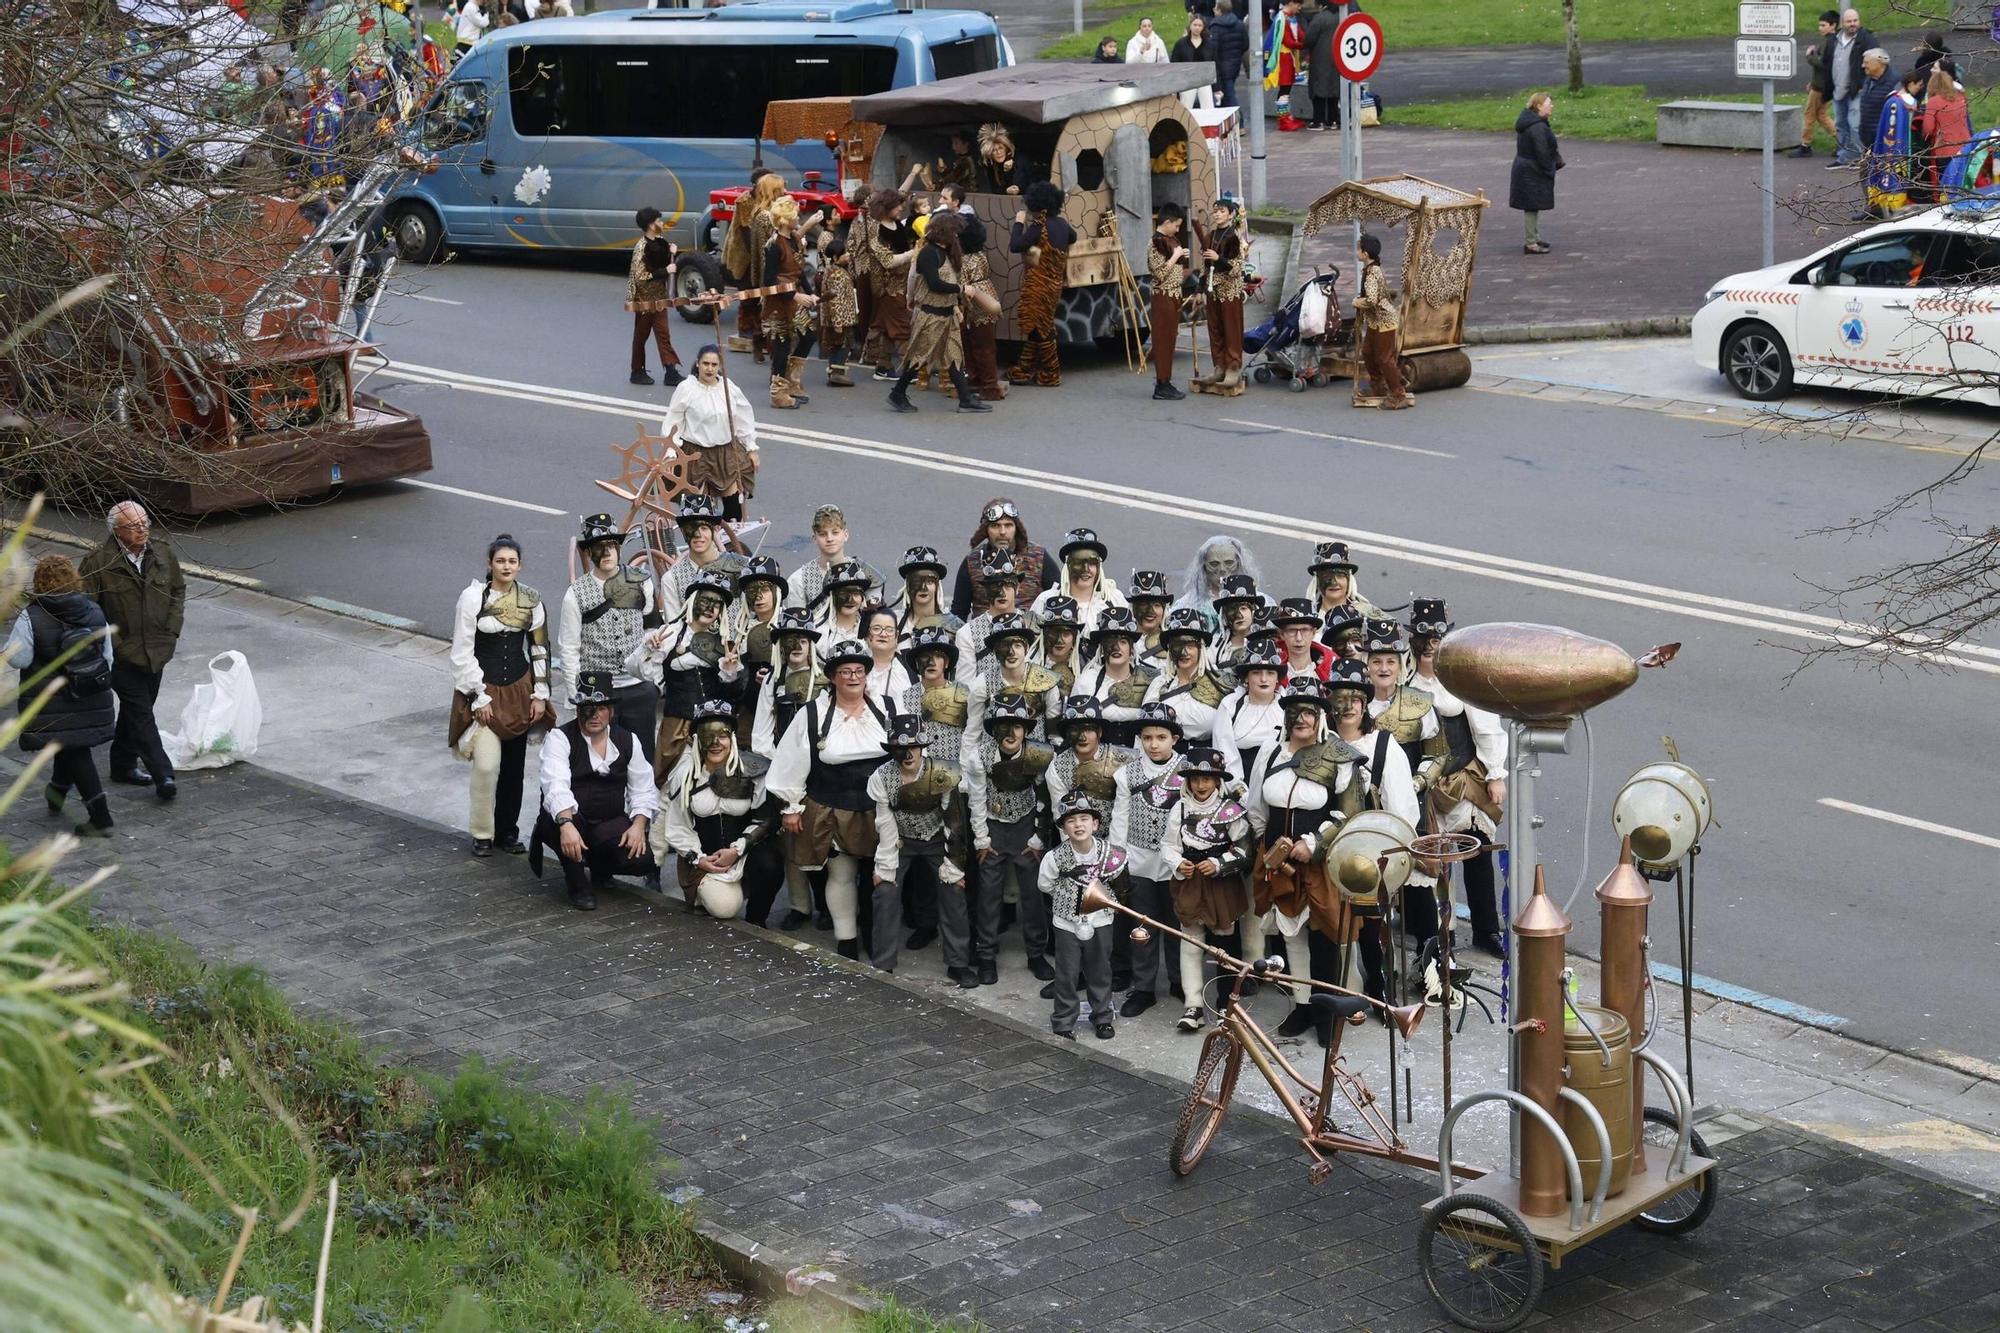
(1896, 260)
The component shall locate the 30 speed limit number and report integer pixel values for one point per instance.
(1357, 47)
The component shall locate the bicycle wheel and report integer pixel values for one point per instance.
(1208, 1097)
(1684, 1209)
(1478, 1279)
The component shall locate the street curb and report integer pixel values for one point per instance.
(1646, 326)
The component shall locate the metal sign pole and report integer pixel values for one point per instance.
(1770, 173)
(1252, 107)
(1350, 135)
(1078, 15)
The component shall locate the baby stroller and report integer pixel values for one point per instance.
(1286, 350)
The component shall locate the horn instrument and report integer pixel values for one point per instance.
(1096, 898)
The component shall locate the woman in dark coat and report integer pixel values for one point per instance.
(1532, 187)
(1194, 47)
(81, 714)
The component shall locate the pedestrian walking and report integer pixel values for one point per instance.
(135, 579)
(1322, 74)
(935, 296)
(787, 313)
(711, 420)
(1231, 40)
(648, 292)
(1819, 95)
(1145, 47)
(1850, 44)
(981, 307)
(743, 256)
(63, 630)
(839, 309)
(500, 691)
(1375, 310)
(1531, 187)
(889, 252)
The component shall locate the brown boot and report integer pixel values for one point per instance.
(794, 369)
(836, 378)
(781, 393)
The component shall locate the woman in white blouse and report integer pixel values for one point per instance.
(710, 415)
(714, 814)
(500, 691)
(1146, 46)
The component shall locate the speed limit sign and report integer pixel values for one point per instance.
(1357, 47)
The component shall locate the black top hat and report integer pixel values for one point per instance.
(845, 651)
(1113, 621)
(1158, 715)
(1428, 617)
(710, 581)
(592, 687)
(1204, 761)
(1344, 623)
(931, 639)
(1080, 710)
(1349, 674)
(1061, 613)
(1082, 539)
(697, 509)
(1009, 707)
(1296, 611)
(1302, 692)
(1010, 625)
(906, 732)
(715, 710)
(1149, 583)
(600, 528)
(1331, 557)
(1263, 624)
(999, 565)
(1076, 801)
(1384, 636)
(760, 569)
(794, 620)
(1261, 655)
(846, 574)
(921, 560)
(1237, 588)
(1185, 623)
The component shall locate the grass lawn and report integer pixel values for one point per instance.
(1609, 111)
(466, 1204)
(1407, 23)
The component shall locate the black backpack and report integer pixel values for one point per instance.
(80, 649)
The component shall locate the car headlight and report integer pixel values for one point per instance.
(1711, 294)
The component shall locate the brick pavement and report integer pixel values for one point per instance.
(963, 1163)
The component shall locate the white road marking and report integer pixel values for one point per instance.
(434, 300)
(1344, 439)
(1923, 825)
(482, 495)
(1555, 578)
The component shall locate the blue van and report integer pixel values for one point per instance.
(651, 106)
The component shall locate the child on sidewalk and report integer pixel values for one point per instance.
(1080, 941)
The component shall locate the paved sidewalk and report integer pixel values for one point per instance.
(950, 1157)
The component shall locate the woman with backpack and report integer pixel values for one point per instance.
(59, 619)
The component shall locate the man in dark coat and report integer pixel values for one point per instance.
(1531, 187)
(1231, 40)
(1819, 96)
(135, 576)
(1322, 75)
(1878, 82)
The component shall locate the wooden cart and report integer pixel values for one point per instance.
(1443, 236)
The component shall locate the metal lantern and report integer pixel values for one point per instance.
(1369, 856)
(1664, 808)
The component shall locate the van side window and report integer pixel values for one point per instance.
(458, 116)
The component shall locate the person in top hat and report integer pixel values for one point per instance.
(1399, 708)
(1010, 669)
(1385, 769)
(1059, 647)
(821, 771)
(795, 680)
(939, 699)
(922, 572)
(1345, 634)
(1003, 788)
(1235, 613)
(1299, 792)
(1297, 624)
(598, 797)
(1188, 684)
(843, 595)
(699, 518)
(919, 820)
(716, 815)
(1115, 678)
(1084, 761)
(1080, 941)
(1141, 807)
(1250, 720)
(1150, 599)
(760, 597)
(603, 616)
(1470, 789)
(1333, 588)
(1206, 851)
(1002, 582)
(1082, 562)
(692, 661)
(500, 685)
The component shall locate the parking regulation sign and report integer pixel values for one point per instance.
(1357, 47)
(1765, 58)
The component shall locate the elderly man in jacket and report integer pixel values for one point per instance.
(135, 577)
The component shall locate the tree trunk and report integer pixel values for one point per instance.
(1575, 45)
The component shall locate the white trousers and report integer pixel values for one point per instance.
(843, 872)
(1192, 957)
(485, 781)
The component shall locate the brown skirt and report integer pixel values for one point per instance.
(892, 316)
(827, 831)
(720, 469)
(1216, 905)
(935, 343)
(1292, 888)
(511, 705)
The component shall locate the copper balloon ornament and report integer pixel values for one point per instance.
(1533, 673)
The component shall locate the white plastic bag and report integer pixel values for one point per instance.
(1312, 312)
(220, 723)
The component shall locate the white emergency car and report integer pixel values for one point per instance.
(1907, 307)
